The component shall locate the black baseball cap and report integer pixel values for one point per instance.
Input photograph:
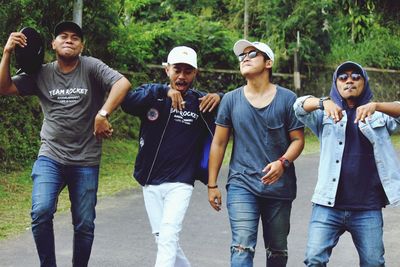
(30, 57)
(68, 25)
(350, 65)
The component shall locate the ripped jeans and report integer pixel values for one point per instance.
(245, 210)
(166, 205)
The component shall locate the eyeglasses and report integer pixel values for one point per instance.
(354, 76)
(251, 54)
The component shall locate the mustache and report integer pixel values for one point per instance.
(347, 87)
(181, 83)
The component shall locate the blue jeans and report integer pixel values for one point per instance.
(328, 224)
(49, 179)
(245, 210)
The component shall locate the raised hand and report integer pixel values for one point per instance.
(365, 111)
(209, 102)
(15, 38)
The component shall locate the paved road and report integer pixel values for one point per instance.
(123, 236)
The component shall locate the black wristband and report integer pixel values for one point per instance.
(212, 187)
(321, 102)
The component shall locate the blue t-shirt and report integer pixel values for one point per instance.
(261, 136)
(359, 188)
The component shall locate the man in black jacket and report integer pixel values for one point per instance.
(175, 120)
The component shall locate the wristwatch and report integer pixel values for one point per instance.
(321, 102)
(285, 162)
(103, 113)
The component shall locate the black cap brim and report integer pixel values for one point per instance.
(350, 65)
(68, 26)
(30, 58)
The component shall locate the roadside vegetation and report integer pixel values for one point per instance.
(115, 176)
(134, 37)
(15, 187)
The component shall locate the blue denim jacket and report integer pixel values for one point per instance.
(377, 130)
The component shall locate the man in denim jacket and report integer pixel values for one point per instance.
(359, 171)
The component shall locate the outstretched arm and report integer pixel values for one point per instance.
(330, 108)
(390, 108)
(7, 87)
(217, 152)
(102, 127)
(209, 102)
(275, 169)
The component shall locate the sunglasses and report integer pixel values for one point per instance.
(251, 54)
(354, 76)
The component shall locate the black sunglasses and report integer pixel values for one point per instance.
(354, 76)
(251, 54)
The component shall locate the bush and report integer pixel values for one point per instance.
(150, 43)
(381, 50)
(21, 120)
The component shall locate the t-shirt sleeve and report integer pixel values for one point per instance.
(105, 75)
(26, 84)
(292, 121)
(224, 116)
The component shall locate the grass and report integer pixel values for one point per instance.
(115, 176)
(15, 199)
(15, 188)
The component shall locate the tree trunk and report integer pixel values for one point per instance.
(77, 13)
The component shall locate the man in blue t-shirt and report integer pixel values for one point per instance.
(175, 121)
(267, 139)
(359, 171)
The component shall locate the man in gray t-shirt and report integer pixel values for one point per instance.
(267, 139)
(71, 91)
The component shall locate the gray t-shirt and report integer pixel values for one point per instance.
(261, 135)
(70, 103)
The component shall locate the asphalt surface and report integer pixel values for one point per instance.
(123, 236)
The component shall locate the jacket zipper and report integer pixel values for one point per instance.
(158, 148)
(162, 137)
(208, 128)
(201, 115)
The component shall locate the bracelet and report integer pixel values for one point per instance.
(212, 187)
(321, 102)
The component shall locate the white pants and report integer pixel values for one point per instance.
(166, 206)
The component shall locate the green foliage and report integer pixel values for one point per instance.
(133, 6)
(129, 34)
(382, 50)
(150, 43)
(359, 17)
(100, 25)
(20, 125)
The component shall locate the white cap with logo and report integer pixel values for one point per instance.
(182, 54)
(242, 44)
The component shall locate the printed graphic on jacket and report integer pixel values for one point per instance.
(184, 116)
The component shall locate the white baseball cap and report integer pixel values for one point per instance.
(242, 44)
(182, 54)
